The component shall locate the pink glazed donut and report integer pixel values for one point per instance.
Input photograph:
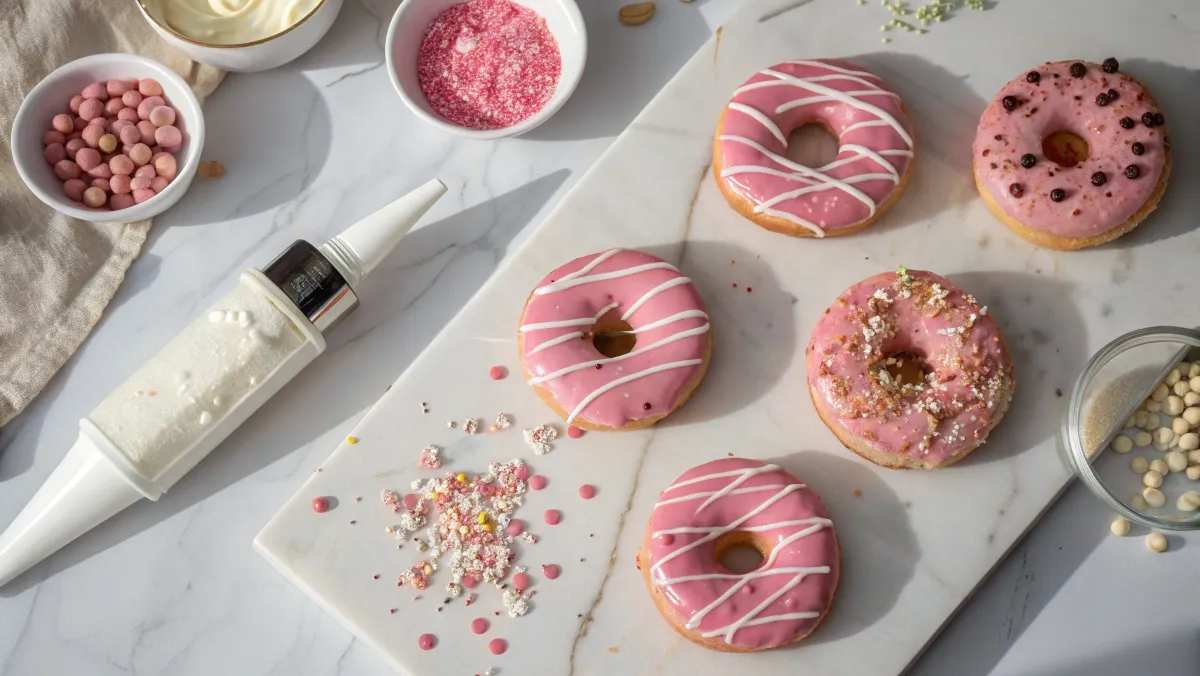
(870, 172)
(737, 502)
(927, 417)
(615, 340)
(1090, 193)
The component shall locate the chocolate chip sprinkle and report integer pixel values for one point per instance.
(1078, 69)
(1033, 76)
(1112, 95)
(1137, 148)
(1102, 99)
(1099, 178)
(1016, 190)
(1159, 120)
(1058, 194)
(1128, 123)
(1010, 102)
(1132, 171)
(1028, 160)
(646, 406)
(1148, 119)
(1110, 65)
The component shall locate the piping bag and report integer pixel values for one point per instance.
(205, 383)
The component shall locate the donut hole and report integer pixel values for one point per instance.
(613, 337)
(741, 552)
(1065, 149)
(906, 368)
(812, 145)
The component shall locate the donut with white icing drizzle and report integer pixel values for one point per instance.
(873, 163)
(731, 502)
(926, 417)
(622, 296)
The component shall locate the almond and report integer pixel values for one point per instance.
(210, 169)
(636, 14)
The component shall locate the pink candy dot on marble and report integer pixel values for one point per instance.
(587, 491)
(574, 432)
(522, 472)
(551, 571)
(552, 517)
(426, 641)
(497, 372)
(479, 625)
(497, 646)
(515, 527)
(470, 581)
(537, 482)
(520, 582)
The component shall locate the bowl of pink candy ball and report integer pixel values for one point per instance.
(109, 137)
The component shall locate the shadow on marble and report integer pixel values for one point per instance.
(354, 42)
(946, 112)
(1008, 601)
(1174, 653)
(867, 590)
(1043, 329)
(1175, 90)
(626, 67)
(754, 333)
(370, 350)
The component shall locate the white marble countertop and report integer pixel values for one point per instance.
(175, 588)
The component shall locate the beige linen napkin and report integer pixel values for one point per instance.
(57, 274)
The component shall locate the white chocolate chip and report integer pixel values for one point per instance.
(1156, 542)
(1163, 436)
(1159, 393)
(1154, 497)
(1188, 502)
(1142, 439)
(1120, 526)
(1174, 405)
(1176, 461)
(1191, 398)
(1139, 465)
(1192, 415)
(1193, 472)
(1151, 479)
(1152, 422)
(1153, 406)
(1193, 370)
(1194, 384)
(1139, 418)
(1132, 422)
(1122, 444)
(1172, 377)
(1161, 447)
(1160, 467)
(1189, 441)
(1194, 456)
(1138, 503)
(1182, 387)
(1179, 425)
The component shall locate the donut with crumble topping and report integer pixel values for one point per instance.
(908, 371)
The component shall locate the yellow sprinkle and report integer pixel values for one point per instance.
(488, 527)
(427, 570)
(462, 478)
(352, 440)
(483, 517)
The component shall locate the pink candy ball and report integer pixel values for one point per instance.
(147, 130)
(79, 123)
(91, 108)
(117, 126)
(129, 114)
(168, 136)
(63, 123)
(74, 135)
(101, 170)
(162, 116)
(74, 188)
(123, 201)
(148, 104)
(159, 183)
(140, 154)
(76, 101)
(142, 195)
(101, 122)
(113, 106)
(119, 87)
(120, 184)
(92, 134)
(150, 87)
(96, 90)
(164, 164)
(144, 171)
(101, 183)
(132, 98)
(139, 183)
(94, 197)
(66, 169)
(129, 134)
(54, 153)
(87, 158)
(53, 137)
(73, 146)
(121, 165)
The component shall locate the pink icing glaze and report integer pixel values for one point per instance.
(660, 305)
(784, 597)
(587, 491)
(426, 641)
(537, 482)
(969, 376)
(552, 517)
(520, 582)
(1059, 102)
(497, 646)
(479, 625)
(875, 134)
(551, 571)
(515, 527)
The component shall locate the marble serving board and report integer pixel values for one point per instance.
(915, 543)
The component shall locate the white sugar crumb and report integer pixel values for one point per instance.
(882, 295)
(503, 422)
(454, 590)
(429, 457)
(540, 437)
(515, 603)
(983, 311)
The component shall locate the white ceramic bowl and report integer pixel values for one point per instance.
(407, 31)
(50, 98)
(254, 56)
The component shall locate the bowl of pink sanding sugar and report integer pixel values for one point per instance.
(486, 68)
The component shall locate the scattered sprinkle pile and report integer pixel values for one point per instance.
(540, 437)
(429, 457)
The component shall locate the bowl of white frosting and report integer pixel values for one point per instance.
(241, 35)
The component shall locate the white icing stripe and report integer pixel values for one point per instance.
(865, 123)
(902, 153)
(704, 494)
(836, 69)
(677, 317)
(816, 229)
(669, 284)
(564, 284)
(709, 477)
(562, 323)
(762, 119)
(804, 615)
(784, 196)
(730, 486)
(692, 530)
(864, 151)
(845, 187)
(609, 360)
(591, 266)
(628, 379)
(555, 341)
(845, 97)
(759, 169)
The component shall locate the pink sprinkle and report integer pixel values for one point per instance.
(497, 646)
(520, 582)
(521, 472)
(411, 500)
(514, 528)
(479, 625)
(497, 372)
(552, 517)
(537, 482)
(470, 581)
(574, 432)
(551, 571)
(488, 64)
(667, 539)
(426, 641)
(587, 491)
(320, 505)
(390, 499)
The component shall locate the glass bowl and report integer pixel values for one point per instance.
(1112, 387)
